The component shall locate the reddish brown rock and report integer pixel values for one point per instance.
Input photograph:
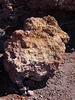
(33, 53)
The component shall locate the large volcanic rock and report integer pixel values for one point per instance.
(35, 52)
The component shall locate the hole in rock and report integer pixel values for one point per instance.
(12, 55)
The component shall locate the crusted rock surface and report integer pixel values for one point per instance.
(36, 51)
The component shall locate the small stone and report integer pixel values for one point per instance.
(1, 55)
(31, 93)
(23, 91)
(41, 96)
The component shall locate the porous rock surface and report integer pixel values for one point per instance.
(36, 51)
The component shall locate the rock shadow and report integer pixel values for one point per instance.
(70, 30)
(33, 85)
(6, 85)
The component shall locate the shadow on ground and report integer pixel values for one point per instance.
(37, 84)
(6, 85)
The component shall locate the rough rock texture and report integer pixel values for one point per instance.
(35, 52)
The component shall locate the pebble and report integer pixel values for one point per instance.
(1, 55)
(23, 91)
(31, 93)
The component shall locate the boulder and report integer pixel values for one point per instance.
(36, 50)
